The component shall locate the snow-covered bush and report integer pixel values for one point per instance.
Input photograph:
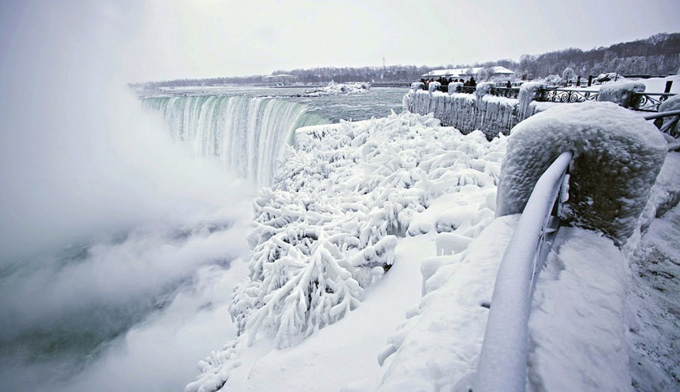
(527, 94)
(567, 75)
(433, 86)
(483, 89)
(672, 103)
(617, 156)
(328, 227)
(415, 86)
(621, 93)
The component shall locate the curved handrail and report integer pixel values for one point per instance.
(503, 360)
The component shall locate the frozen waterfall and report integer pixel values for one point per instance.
(245, 133)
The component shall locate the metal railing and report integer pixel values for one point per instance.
(559, 94)
(649, 102)
(503, 360)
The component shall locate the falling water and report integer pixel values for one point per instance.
(246, 134)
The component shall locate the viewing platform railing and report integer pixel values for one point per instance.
(647, 102)
(502, 364)
(503, 360)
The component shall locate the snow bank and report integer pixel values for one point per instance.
(491, 115)
(327, 230)
(339, 89)
(652, 303)
(437, 348)
(621, 93)
(617, 156)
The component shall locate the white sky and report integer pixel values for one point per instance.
(167, 39)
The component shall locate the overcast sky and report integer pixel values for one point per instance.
(164, 39)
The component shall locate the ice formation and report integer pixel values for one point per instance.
(339, 89)
(313, 256)
(245, 134)
(466, 112)
(527, 94)
(483, 88)
(617, 156)
(621, 92)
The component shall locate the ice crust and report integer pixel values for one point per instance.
(617, 156)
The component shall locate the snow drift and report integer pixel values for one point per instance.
(617, 156)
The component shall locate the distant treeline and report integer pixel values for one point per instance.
(657, 55)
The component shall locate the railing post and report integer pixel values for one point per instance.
(668, 86)
(590, 80)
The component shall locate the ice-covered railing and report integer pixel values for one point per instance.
(613, 156)
(502, 365)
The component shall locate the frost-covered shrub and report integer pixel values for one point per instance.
(568, 74)
(527, 93)
(672, 103)
(617, 156)
(415, 86)
(483, 89)
(621, 93)
(553, 80)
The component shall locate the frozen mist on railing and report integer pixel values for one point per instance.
(245, 134)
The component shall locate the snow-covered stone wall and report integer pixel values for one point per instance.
(617, 156)
(467, 112)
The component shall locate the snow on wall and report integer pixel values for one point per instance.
(620, 92)
(617, 156)
(327, 229)
(491, 115)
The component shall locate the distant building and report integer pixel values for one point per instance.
(466, 73)
(279, 79)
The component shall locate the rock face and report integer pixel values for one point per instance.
(617, 156)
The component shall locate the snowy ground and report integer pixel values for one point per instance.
(421, 325)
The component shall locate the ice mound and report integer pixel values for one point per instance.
(617, 156)
(339, 89)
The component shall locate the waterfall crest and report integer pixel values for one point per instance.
(247, 134)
